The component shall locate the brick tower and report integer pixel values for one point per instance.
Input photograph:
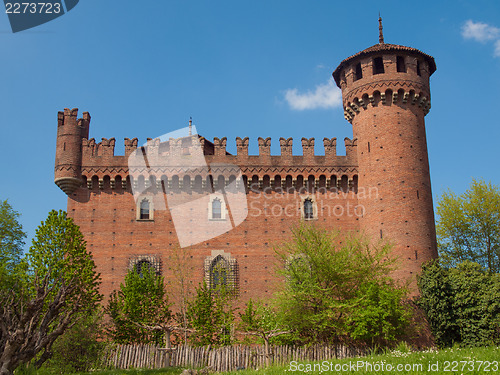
(70, 132)
(386, 95)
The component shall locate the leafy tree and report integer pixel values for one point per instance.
(264, 322)
(80, 347)
(211, 315)
(139, 304)
(11, 237)
(339, 288)
(46, 293)
(462, 303)
(468, 227)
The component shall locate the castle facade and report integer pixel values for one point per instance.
(226, 212)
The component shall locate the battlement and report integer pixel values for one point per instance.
(185, 146)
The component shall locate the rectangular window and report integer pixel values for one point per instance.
(400, 63)
(378, 65)
(358, 74)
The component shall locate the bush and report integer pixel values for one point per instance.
(80, 348)
(462, 304)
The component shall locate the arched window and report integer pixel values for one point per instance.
(219, 272)
(144, 207)
(216, 209)
(143, 266)
(308, 209)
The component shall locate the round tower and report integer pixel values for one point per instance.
(386, 95)
(70, 132)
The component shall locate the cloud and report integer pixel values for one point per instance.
(497, 49)
(479, 31)
(324, 96)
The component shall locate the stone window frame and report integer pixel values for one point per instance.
(141, 199)
(223, 208)
(153, 260)
(233, 274)
(314, 207)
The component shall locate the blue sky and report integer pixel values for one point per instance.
(239, 68)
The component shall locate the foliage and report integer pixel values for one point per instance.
(141, 301)
(339, 288)
(468, 227)
(46, 292)
(462, 304)
(11, 237)
(80, 347)
(211, 315)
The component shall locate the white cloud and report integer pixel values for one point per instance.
(326, 95)
(479, 31)
(497, 49)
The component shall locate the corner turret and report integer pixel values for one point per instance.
(70, 133)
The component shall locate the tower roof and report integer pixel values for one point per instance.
(384, 47)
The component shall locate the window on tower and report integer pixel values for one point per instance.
(400, 64)
(418, 68)
(378, 65)
(308, 209)
(358, 73)
(144, 210)
(216, 209)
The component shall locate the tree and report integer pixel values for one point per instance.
(338, 288)
(11, 236)
(468, 226)
(462, 303)
(263, 322)
(211, 315)
(140, 304)
(53, 285)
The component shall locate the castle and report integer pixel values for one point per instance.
(144, 216)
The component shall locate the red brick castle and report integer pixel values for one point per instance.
(381, 186)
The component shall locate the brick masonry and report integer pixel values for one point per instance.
(381, 186)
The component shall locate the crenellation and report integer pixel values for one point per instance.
(264, 146)
(220, 146)
(308, 148)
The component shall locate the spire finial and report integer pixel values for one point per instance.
(380, 32)
(190, 126)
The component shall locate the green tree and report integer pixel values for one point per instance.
(138, 306)
(462, 303)
(263, 322)
(80, 348)
(468, 226)
(46, 293)
(339, 288)
(211, 315)
(11, 237)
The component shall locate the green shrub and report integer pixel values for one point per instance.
(462, 304)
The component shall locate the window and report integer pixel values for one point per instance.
(308, 209)
(358, 74)
(216, 209)
(145, 208)
(378, 65)
(400, 64)
(418, 68)
(141, 263)
(221, 270)
(142, 266)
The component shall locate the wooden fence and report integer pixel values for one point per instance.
(219, 359)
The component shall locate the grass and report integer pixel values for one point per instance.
(448, 361)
